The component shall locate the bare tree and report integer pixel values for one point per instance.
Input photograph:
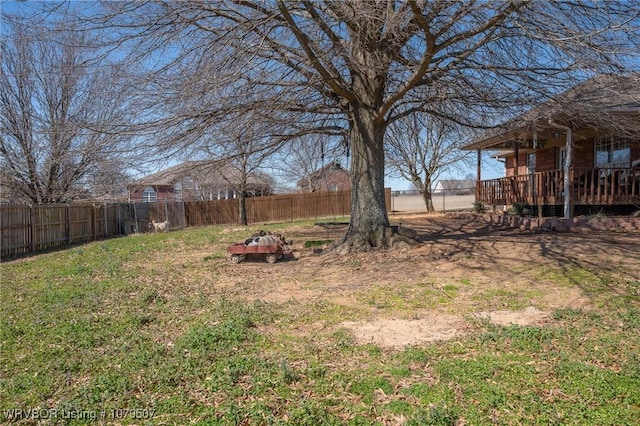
(361, 65)
(299, 159)
(59, 112)
(242, 148)
(420, 148)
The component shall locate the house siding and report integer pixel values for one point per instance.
(583, 154)
(509, 165)
(522, 164)
(547, 158)
(164, 192)
(329, 180)
(338, 180)
(635, 151)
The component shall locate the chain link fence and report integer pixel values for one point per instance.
(443, 201)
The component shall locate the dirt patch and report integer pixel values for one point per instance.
(528, 316)
(399, 333)
(464, 268)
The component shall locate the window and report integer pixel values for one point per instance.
(612, 152)
(531, 162)
(562, 157)
(177, 189)
(149, 195)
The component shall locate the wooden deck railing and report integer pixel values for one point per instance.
(596, 186)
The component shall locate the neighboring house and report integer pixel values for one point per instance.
(455, 186)
(331, 177)
(595, 125)
(198, 181)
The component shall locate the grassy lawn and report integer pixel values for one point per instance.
(87, 332)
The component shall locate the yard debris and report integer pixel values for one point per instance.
(265, 238)
(273, 246)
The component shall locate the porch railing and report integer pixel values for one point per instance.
(597, 186)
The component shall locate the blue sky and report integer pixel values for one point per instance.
(491, 168)
(16, 6)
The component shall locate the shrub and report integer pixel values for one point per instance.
(478, 207)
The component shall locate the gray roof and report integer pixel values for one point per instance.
(609, 102)
(206, 173)
(451, 184)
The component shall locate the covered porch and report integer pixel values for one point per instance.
(587, 186)
(580, 148)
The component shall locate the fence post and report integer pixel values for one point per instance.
(184, 215)
(166, 214)
(67, 220)
(106, 226)
(94, 222)
(346, 201)
(32, 234)
(119, 223)
(135, 217)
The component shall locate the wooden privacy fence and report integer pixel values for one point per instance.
(32, 228)
(25, 228)
(277, 208)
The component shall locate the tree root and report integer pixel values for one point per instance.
(381, 238)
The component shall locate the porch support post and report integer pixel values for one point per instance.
(478, 173)
(567, 167)
(514, 193)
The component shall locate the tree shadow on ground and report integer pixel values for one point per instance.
(488, 247)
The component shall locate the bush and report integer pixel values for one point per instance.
(478, 207)
(519, 209)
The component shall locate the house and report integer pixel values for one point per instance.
(578, 153)
(455, 186)
(198, 181)
(331, 177)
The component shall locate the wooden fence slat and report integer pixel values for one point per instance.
(15, 228)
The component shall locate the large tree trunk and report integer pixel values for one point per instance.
(242, 206)
(427, 195)
(369, 224)
(425, 190)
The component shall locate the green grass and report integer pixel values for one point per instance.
(317, 243)
(89, 330)
(504, 298)
(404, 298)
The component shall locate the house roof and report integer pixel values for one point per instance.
(609, 102)
(452, 184)
(323, 172)
(210, 173)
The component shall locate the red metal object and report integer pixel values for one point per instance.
(272, 252)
